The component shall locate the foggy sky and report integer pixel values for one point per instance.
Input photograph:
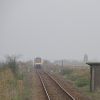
(52, 29)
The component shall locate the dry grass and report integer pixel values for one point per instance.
(11, 88)
(8, 85)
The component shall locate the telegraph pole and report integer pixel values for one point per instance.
(62, 65)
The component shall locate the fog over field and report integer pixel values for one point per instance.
(52, 29)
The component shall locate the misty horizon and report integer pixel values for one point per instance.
(55, 29)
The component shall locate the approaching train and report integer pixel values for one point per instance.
(38, 63)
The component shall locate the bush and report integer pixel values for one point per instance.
(12, 64)
(66, 71)
(82, 82)
(20, 77)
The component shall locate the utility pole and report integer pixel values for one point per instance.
(62, 65)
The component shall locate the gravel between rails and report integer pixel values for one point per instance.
(38, 92)
(54, 91)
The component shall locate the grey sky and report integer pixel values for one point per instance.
(53, 29)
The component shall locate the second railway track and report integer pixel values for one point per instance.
(53, 90)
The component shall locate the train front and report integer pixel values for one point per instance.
(38, 63)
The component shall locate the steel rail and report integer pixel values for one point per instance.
(44, 87)
(66, 92)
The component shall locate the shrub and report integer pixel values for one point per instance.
(82, 82)
(66, 71)
(12, 64)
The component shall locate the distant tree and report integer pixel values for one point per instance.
(11, 62)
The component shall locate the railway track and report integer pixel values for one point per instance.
(53, 90)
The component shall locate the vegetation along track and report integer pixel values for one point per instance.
(53, 90)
